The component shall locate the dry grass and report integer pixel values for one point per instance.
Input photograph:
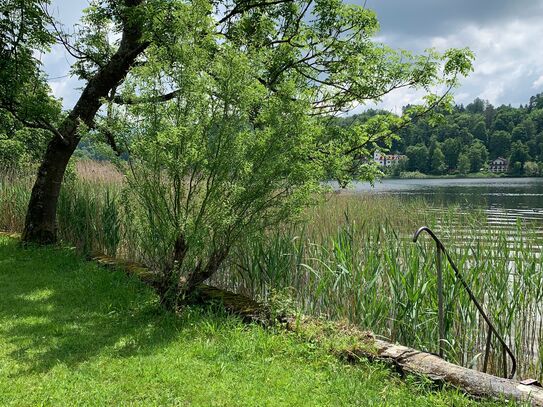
(100, 172)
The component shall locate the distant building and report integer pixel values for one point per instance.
(386, 160)
(500, 164)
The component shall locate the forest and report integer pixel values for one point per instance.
(466, 138)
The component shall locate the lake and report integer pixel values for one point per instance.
(504, 199)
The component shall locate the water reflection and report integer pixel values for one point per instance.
(504, 199)
(494, 193)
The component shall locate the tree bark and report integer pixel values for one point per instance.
(41, 223)
(199, 275)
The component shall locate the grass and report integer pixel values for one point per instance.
(352, 259)
(72, 333)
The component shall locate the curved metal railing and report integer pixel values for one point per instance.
(440, 249)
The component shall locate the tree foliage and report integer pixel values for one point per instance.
(24, 94)
(478, 155)
(19, 146)
(225, 112)
(464, 165)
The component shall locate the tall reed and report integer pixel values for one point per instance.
(352, 258)
(354, 265)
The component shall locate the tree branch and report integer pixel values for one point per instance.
(245, 6)
(40, 123)
(152, 99)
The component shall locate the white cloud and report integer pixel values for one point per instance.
(492, 91)
(66, 89)
(538, 83)
(505, 65)
(394, 101)
(506, 68)
(58, 88)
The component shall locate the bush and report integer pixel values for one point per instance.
(413, 174)
(531, 169)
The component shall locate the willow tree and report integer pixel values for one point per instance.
(229, 132)
(301, 61)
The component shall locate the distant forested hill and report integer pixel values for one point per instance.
(470, 137)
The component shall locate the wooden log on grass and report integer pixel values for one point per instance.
(472, 382)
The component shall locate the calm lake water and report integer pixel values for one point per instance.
(504, 199)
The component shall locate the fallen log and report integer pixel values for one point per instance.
(128, 267)
(472, 382)
(11, 235)
(248, 309)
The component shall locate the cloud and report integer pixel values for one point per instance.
(506, 66)
(393, 102)
(66, 89)
(538, 83)
(63, 86)
(57, 62)
(423, 18)
(504, 36)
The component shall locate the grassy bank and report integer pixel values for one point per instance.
(352, 258)
(74, 333)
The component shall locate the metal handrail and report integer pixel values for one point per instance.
(440, 248)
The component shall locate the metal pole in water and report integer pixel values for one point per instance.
(440, 302)
(491, 330)
(487, 349)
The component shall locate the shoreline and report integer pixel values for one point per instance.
(456, 176)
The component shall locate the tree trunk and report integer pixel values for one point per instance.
(175, 290)
(199, 275)
(40, 223)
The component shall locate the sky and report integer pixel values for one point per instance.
(505, 36)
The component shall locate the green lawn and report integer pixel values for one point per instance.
(72, 333)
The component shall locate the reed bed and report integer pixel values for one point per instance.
(351, 258)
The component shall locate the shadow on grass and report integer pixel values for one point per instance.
(57, 309)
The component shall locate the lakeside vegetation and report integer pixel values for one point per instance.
(74, 333)
(349, 258)
(217, 124)
(420, 175)
(481, 174)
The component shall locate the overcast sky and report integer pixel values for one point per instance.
(505, 35)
